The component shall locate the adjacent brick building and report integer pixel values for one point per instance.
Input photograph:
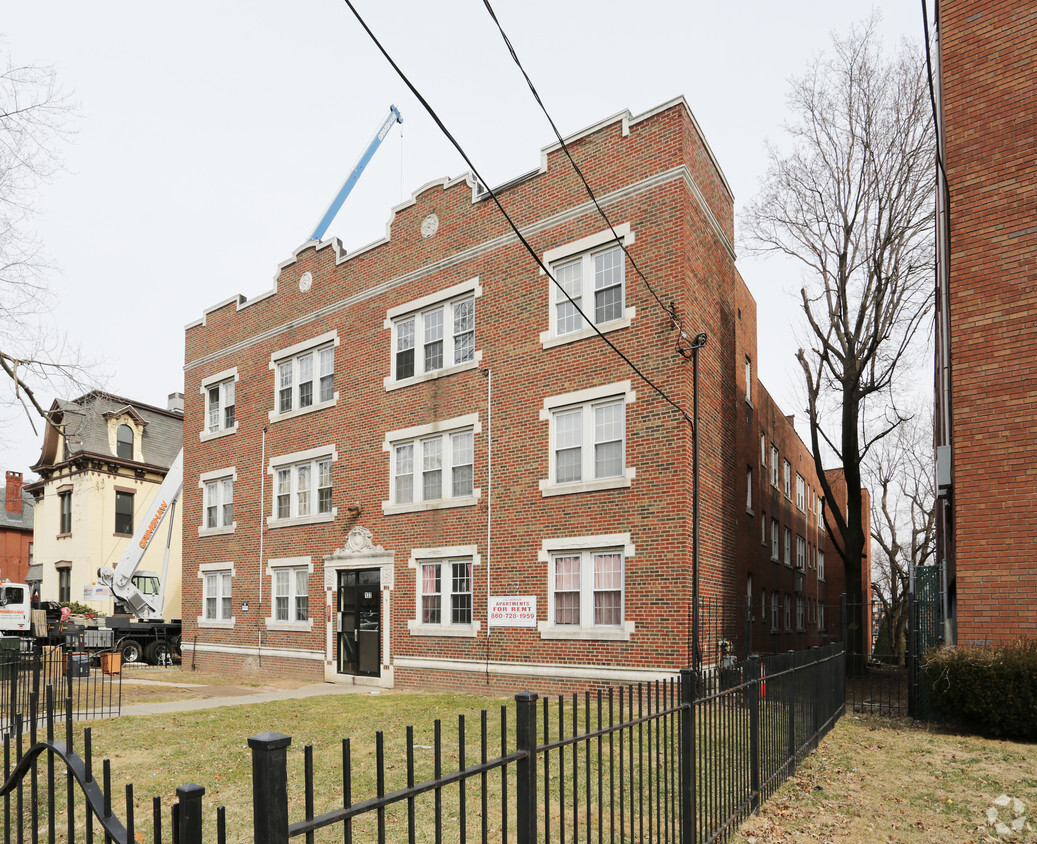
(416, 465)
(16, 512)
(986, 337)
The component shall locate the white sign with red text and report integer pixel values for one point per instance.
(514, 611)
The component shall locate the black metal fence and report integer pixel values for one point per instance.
(682, 760)
(28, 669)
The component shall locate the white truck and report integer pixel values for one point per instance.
(137, 629)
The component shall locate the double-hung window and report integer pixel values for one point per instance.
(788, 547)
(800, 493)
(217, 501)
(589, 286)
(217, 593)
(289, 593)
(788, 479)
(774, 466)
(788, 611)
(820, 564)
(587, 436)
(774, 610)
(445, 586)
(302, 487)
(749, 489)
(801, 553)
(748, 379)
(774, 540)
(304, 377)
(432, 466)
(434, 335)
(218, 393)
(123, 512)
(65, 512)
(586, 587)
(800, 625)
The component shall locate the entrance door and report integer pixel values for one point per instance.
(359, 622)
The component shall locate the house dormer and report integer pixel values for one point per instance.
(125, 428)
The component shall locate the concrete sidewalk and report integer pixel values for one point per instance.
(238, 698)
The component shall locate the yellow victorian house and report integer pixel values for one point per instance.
(102, 462)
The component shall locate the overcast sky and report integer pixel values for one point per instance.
(211, 136)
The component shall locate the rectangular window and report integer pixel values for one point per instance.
(749, 489)
(788, 611)
(800, 621)
(434, 339)
(304, 379)
(748, 379)
(800, 492)
(788, 547)
(592, 283)
(219, 407)
(446, 592)
(302, 487)
(64, 585)
(774, 611)
(587, 589)
(820, 616)
(217, 596)
(763, 454)
(774, 540)
(292, 594)
(446, 463)
(123, 512)
(589, 442)
(763, 528)
(820, 512)
(218, 501)
(774, 466)
(801, 552)
(65, 510)
(820, 564)
(763, 604)
(788, 479)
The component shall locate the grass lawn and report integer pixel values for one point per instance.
(878, 780)
(871, 780)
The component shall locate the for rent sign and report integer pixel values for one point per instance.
(520, 611)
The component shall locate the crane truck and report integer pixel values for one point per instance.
(137, 630)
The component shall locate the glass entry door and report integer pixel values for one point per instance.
(359, 622)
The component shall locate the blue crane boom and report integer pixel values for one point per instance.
(376, 141)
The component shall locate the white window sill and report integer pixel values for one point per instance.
(750, 511)
(274, 416)
(605, 634)
(214, 624)
(218, 531)
(775, 559)
(463, 631)
(289, 626)
(548, 489)
(391, 384)
(549, 340)
(316, 519)
(205, 436)
(390, 509)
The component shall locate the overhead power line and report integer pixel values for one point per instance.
(446, 132)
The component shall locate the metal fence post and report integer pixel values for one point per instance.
(689, 691)
(270, 787)
(526, 786)
(792, 709)
(819, 695)
(189, 821)
(752, 669)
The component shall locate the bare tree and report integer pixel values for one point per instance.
(853, 202)
(900, 475)
(34, 118)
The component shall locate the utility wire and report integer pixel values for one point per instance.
(435, 117)
(575, 166)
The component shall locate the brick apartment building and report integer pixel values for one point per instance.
(986, 327)
(16, 514)
(415, 465)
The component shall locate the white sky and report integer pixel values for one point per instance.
(213, 135)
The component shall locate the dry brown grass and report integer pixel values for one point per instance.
(876, 780)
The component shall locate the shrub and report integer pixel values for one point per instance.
(991, 689)
(79, 609)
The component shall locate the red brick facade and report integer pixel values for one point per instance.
(16, 519)
(413, 503)
(987, 317)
